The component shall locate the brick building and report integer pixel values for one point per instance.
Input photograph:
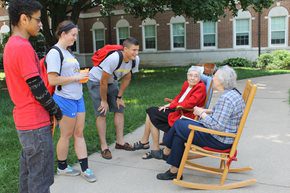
(176, 40)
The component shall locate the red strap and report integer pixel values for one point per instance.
(234, 158)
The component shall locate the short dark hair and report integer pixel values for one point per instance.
(18, 7)
(130, 41)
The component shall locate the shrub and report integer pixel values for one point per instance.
(238, 62)
(264, 60)
(279, 59)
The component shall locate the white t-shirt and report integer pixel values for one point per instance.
(70, 67)
(110, 64)
(184, 94)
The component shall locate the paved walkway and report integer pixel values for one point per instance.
(264, 145)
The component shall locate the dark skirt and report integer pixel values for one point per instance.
(159, 118)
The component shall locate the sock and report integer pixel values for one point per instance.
(84, 164)
(61, 164)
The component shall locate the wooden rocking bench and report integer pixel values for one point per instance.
(225, 157)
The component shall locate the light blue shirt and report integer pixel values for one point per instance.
(226, 115)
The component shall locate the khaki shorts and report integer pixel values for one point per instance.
(113, 89)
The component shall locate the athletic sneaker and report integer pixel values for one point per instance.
(89, 175)
(68, 171)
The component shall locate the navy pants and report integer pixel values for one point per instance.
(175, 138)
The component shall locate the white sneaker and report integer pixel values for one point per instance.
(68, 171)
(89, 175)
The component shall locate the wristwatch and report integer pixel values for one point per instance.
(119, 97)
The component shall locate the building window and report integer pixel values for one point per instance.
(242, 32)
(123, 34)
(209, 34)
(149, 34)
(242, 36)
(178, 35)
(123, 30)
(278, 28)
(178, 32)
(99, 39)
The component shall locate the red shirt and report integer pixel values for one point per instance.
(195, 97)
(21, 63)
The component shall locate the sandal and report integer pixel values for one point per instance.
(157, 154)
(139, 145)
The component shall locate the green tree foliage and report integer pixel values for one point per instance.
(210, 10)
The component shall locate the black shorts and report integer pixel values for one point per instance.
(159, 118)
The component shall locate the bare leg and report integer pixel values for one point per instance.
(155, 137)
(166, 151)
(67, 126)
(146, 134)
(173, 169)
(79, 140)
(101, 126)
(119, 125)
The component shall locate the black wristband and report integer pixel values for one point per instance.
(119, 97)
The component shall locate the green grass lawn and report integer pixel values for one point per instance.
(148, 88)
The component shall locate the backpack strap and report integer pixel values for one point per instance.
(133, 65)
(61, 60)
(119, 63)
(60, 55)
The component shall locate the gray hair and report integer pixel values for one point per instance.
(228, 77)
(196, 69)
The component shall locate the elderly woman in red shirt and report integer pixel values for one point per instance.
(193, 93)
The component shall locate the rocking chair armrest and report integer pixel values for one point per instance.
(210, 131)
(183, 109)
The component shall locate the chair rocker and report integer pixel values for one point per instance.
(225, 156)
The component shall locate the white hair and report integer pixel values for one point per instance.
(228, 77)
(196, 69)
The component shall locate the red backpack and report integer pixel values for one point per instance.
(43, 70)
(102, 53)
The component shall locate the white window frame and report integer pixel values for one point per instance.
(98, 25)
(277, 12)
(120, 24)
(202, 38)
(242, 15)
(146, 22)
(177, 20)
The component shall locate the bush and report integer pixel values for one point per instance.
(264, 60)
(238, 62)
(279, 59)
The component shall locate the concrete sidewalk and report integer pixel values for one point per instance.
(264, 146)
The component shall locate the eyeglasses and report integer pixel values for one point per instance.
(192, 75)
(38, 20)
